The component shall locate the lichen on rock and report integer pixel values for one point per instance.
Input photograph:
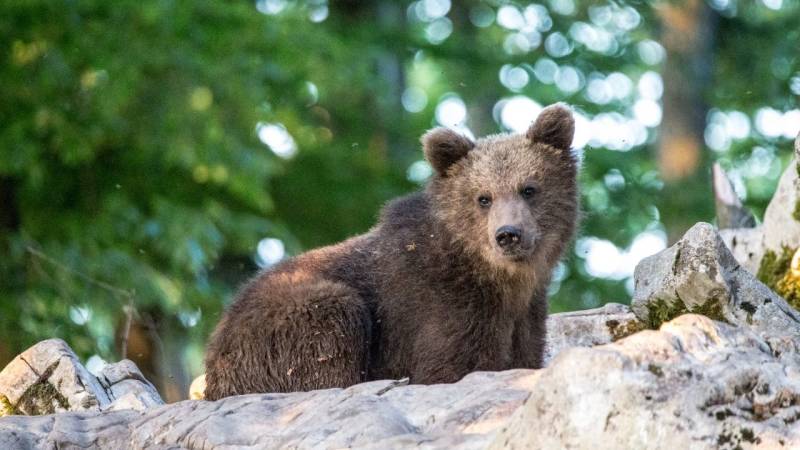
(624, 329)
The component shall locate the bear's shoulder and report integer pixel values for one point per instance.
(407, 212)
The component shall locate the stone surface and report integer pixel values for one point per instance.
(695, 384)
(589, 328)
(729, 209)
(779, 228)
(699, 274)
(379, 415)
(746, 245)
(49, 378)
(127, 387)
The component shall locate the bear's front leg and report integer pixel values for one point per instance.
(530, 334)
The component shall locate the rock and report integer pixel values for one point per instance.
(687, 277)
(379, 414)
(695, 384)
(730, 211)
(746, 245)
(127, 387)
(781, 225)
(699, 274)
(48, 378)
(589, 328)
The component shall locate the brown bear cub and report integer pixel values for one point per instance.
(451, 280)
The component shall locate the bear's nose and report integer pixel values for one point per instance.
(507, 236)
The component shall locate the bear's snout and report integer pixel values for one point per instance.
(508, 237)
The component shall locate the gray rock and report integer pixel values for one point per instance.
(589, 328)
(695, 384)
(746, 245)
(687, 277)
(729, 209)
(127, 387)
(779, 227)
(48, 378)
(380, 414)
(699, 274)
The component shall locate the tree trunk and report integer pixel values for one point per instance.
(688, 30)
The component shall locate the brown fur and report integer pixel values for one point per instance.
(428, 293)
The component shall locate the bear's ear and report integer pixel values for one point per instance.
(555, 126)
(443, 147)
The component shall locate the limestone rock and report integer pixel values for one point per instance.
(780, 228)
(687, 277)
(379, 415)
(127, 387)
(695, 384)
(746, 245)
(588, 328)
(48, 378)
(729, 209)
(699, 274)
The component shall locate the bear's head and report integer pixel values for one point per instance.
(509, 199)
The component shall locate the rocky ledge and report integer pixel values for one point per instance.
(706, 358)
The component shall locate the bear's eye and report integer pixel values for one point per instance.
(484, 201)
(527, 191)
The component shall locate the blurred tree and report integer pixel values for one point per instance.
(129, 158)
(153, 153)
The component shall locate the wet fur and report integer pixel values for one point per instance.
(422, 294)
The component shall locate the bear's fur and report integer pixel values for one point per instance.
(451, 280)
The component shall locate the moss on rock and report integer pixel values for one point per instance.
(776, 271)
(41, 398)
(660, 311)
(6, 408)
(624, 329)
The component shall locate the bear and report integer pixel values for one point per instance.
(452, 279)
